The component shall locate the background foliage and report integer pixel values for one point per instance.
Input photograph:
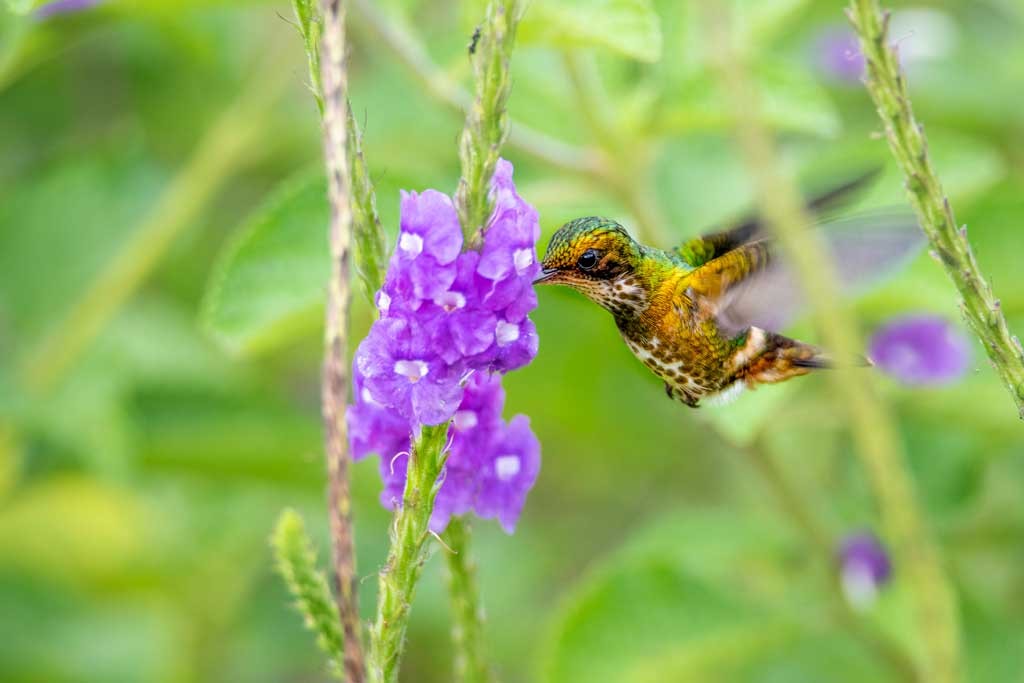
(139, 481)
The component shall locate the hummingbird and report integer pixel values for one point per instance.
(704, 316)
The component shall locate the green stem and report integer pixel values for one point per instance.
(408, 552)
(487, 119)
(888, 90)
(467, 609)
(873, 431)
(441, 87)
(367, 233)
(227, 142)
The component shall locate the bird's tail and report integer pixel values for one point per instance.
(771, 358)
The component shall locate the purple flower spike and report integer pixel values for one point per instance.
(921, 350)
(865, 567)
(838, 54)
(451, 322)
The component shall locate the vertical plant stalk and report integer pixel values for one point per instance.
(487, 118)
(471, 664)
(366, 227)
(334, 387)
(888, 89)
(873, 431)
(407, 554)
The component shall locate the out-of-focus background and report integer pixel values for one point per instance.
(149, 438)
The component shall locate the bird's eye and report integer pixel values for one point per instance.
(587, 259)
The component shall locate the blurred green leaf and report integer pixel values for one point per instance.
(71, 528)
(633, 613)
(628, 27)
(272, 277)
(791, 98)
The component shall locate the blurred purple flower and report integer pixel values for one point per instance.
(921, 349)
(864, 566)
(51, 9)
(450, 322)
(838, 54)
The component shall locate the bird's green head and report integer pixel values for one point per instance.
(597, 257)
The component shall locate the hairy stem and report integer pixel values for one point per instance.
(467, 609)
(873, 431)
(366, 226)
(296, 561)
(888, 90)
(408, 552)
(334, 387)
(487, 118)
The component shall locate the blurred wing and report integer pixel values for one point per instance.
(864, 249)
(700, 250)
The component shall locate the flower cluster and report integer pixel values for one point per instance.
(451, 321)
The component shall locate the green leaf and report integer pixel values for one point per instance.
(296, 561)
(628, 27)
(703, 595)
(633, 613)
(271, 279)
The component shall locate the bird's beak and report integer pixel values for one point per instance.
(546, 275)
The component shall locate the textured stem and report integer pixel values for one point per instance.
(441, 87)
(467, 609)
(408, 552)
(226, 143)
(888, 90)
(366, 226)
(873, 431)
(487, 119)
(371, 257)
(334, 387)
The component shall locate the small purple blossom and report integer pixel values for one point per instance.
(838, 55)
(921, 349)
(451, 322)
(58, 7)
(865, 566)
(490, 468)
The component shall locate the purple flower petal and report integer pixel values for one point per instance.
(430, 225)
(838, 54)
(865, 566)
(509, 474)
(921, 350)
